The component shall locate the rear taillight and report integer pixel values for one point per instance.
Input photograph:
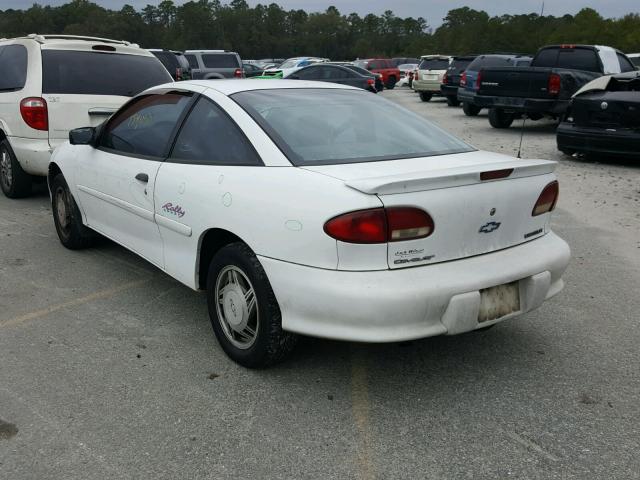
(547, 200)
(554, 84)
(370, 81)
(479, 80)
(34, 113)
(178, 73)
(238, 73)
(380, 225)
(463, 79)
(445, 79)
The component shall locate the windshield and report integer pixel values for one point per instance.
(93, 73)
(434, 64)
(334, 126)
(292, 62)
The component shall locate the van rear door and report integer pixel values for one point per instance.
(84, 84)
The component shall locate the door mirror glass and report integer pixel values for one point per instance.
(82, 136)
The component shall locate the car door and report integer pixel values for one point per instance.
(116, 180)
(206, 172)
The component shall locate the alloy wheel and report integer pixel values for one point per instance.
(237, 307)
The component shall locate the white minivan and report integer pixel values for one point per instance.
(51, 84)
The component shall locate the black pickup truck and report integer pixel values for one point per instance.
(545, 88)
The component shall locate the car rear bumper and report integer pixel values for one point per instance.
(431, 86)
(622, 142)
(409, 303)
(523, 105)
(466, 96)
(449, 90)
(32, 154)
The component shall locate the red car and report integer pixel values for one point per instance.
(385, 67)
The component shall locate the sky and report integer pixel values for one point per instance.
(432, 10)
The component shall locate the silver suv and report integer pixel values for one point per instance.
(212, 64)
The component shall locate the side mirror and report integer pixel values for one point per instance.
(82, 136)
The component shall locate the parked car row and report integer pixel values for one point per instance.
(592, 90)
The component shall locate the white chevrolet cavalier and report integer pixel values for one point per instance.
(300, 212)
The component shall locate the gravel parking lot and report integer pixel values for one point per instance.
(110, 369)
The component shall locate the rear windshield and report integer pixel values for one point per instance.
(333, 126)
(168, 59)
(220, 60)
(94, 73)
(636, 61)
(460, 64)
(193, 61)
(434, 64)
(489, 61)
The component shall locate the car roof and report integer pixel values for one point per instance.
(231, 86)
(79, 42)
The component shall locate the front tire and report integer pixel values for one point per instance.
(470, 110)
(14, 181)
(498, 118)
(453, 101)
(67, 218)
(425, 96)
(243, 309)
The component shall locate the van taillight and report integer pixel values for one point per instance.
(445, 79)
(34, 113)
(380, 225)
(178, 73)
(238, 73)
(547, 200)
(463, 79)
(479, 80)
(554, 84)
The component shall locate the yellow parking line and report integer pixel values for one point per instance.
(71, 303)
(360, 407)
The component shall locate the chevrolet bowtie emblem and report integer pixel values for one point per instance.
(489, 227)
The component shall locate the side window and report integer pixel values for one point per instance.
(144, 127)
(311, 73)
(334, 73)
(209, 136)
(547, 57)
(13, 65)
(625, 64)
(193, 61)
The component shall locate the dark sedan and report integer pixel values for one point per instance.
(343, 75)
(604, 118)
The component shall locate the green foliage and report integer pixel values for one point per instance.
(271, 31)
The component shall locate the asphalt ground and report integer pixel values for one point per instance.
(109, 368)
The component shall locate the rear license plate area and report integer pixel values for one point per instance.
(499, 301)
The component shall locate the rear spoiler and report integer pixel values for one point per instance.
(451, 177)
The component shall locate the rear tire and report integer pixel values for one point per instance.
(470, 110)
(498, 118)
(67, 218)
(243, 309)
(14, 181)
(391, 83)
(425, 96)
(453, 101)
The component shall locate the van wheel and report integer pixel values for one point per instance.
(498, 118)
(452, 101)
(14, 181)
(243, 309)
(425, 96)
(470, 110)
(66, 217)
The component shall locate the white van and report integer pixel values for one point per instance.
(51, 84)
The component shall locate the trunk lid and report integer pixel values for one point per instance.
(471, 216)
(611, 110)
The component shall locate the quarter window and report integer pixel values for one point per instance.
(209, 136)
(144, 127)
(13, 65)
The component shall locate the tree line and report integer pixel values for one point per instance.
(269, 31)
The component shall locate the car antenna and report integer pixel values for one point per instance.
(524, 119)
